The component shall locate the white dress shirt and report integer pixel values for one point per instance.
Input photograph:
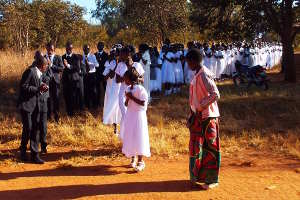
(38, 73)
(50, 58)
(69, 56)
(92, 61)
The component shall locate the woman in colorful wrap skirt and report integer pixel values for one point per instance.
(203, 123)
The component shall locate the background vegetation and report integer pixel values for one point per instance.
(30, 24)
(251, 119)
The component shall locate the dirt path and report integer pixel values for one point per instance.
(250, 175)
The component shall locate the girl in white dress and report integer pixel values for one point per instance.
(188, 73)
(120, 71)
(220, 62)
(178, 70)
(156, 62)
(145, 61)
(168, 74)
(111, 111)
(134, 129)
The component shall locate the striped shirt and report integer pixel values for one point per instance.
(204, 94)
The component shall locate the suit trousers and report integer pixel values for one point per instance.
(101, 86)
(30, 123)
(53, 100)
(43, 129)
(90, 90)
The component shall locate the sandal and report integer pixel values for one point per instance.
(209, 186)
(133, 163)
(140, 166)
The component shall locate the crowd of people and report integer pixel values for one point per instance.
(122, 82)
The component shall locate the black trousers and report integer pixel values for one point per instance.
(53, 100)
(30, 123)
(69, 95)
(90, 90)
(80, 94)
(101, 87)
(74, 96)
(43, 129)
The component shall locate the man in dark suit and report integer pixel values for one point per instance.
(101, 57)
(29, 103)
(56, 67)
(72, 80)
(46, 77)
(90, 63)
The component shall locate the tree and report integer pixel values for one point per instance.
(241, 17)
(63, 20)
(283, 17)
(109, 12)
(30, 24)
(17, 23)
(156, 18)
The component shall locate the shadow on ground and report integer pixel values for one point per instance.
(77, 191)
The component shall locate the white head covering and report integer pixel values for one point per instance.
(139, 68)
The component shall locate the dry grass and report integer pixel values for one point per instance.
(250, 119)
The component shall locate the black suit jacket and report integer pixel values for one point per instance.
(101, 60)
(45, 78)
(56, 68)
(29, 95)
(74, 72)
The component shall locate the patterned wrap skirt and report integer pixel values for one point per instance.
(204, 148)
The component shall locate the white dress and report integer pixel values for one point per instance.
(168, 74)
(178, 69)
(134, 129)
(220, 64)
(155, 85)
(121, 69)
(213, 65)
(111, 110)
(146, 56)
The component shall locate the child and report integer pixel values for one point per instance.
(168, 74)
(178, 70)
(156, 62)
(120, 71)
(145, 61)
(203, 123)
(134, 129)
(111, 111)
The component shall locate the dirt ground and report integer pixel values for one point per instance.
(244, 175)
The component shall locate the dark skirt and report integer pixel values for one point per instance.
(204, 148)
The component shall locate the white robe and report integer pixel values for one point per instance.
(111, 110)
(168, 74)
(121, 69)
(146, 56)
(178, 69)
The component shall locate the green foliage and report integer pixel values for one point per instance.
(109, 12)
(157, 19)
(149, 21)
(30, 24)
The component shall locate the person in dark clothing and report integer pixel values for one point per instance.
(72, 80)
(56, 67)
(101, 57)
(45, 78)
(90, 63)
(32, 89)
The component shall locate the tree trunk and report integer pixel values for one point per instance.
(288, 63)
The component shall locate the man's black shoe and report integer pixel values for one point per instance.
(37, 160)
(44, 150)
(56, 117)
(23, 157)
